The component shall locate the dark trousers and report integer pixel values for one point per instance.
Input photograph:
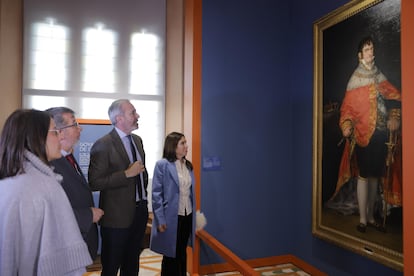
(121, 247)
(178, 266)
(371, 159)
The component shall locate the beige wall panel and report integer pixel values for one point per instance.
(10, 57)
(174, 66)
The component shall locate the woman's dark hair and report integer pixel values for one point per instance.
(24, 129)
(170, 145)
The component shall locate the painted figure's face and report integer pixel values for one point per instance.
(367, 54)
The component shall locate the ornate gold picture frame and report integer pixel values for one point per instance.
(335, 210)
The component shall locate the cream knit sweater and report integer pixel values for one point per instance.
(38, 231)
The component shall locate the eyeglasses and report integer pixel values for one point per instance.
(75, 124)
(56, 131)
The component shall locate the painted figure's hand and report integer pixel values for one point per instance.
(393, 124)
(347, 128)
(347, 131)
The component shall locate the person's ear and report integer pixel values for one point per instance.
(118, 118)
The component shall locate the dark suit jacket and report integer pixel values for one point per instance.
(81, 199)
(108, 162)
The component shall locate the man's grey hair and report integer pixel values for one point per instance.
(116, 109)
(57, 114)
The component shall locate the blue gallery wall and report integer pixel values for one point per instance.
(246, 125)
(257, 93)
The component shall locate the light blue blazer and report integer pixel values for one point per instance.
(165, 198)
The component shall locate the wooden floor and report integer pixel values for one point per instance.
(150, 265)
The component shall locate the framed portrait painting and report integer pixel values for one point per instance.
(357, 181)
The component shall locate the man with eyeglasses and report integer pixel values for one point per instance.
(74, 183)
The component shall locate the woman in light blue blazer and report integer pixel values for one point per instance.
(173, 206)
